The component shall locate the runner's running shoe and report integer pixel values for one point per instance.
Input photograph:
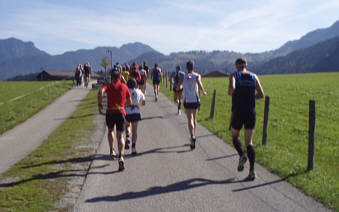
(251, 176)
(134, 150)
(112, 155)
(242, 161)
(121, 164)
(193, 140)
(127, 144)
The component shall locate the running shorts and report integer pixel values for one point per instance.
(247, 119)
(156, 81)
(133, 117)
(192, 105)
(117, 119)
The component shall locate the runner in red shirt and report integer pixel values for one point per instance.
(117, 95)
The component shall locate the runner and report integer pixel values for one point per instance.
(146, 68)
(242, 87)
(177, 87)
(156, 77)
(78, 75)
(143, 79)
(87, 73)
(133, 113)
(191, 83)
(117, 95)
(125, 73)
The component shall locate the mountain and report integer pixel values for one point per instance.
(308, 40)
(69, 60)
(13, 48)
(321, 57)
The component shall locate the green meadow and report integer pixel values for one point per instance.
(21, 100)
(287, 142)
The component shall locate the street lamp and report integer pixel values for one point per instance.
(110, 52)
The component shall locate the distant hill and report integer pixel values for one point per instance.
(13, 48)
(308, 40)
(68, 61)
(322, 57)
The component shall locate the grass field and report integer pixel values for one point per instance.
(38, 181)
(21, 100)
(287, 141)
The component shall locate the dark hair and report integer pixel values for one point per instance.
(241, 61)
(178, 67)
(131, 83)
(190, 65)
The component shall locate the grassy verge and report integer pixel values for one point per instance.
(287, 142)
(21, 100)
(39, 180)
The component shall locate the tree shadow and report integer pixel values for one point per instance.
(78, 117)
(157, 190)
(269, 183)
(152, 117)
(71, 160)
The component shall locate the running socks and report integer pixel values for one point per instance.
(179, 105)
(237, 145)
(251, 156)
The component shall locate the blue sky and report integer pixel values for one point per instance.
(56, 26)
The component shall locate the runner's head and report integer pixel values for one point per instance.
(116, 72)
(131, 83)
(178, 68)
(240, 64)
(190, 66)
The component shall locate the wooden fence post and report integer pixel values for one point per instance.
(213, 105)
(166, 78)
(267, 108)
(311, 134)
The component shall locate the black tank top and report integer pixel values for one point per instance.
(243, 98)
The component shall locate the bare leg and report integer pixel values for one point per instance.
(110, 139)
(194, 113)
(189, 114)
(134, 132)
(121, 143)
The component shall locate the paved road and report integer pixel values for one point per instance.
(18, 142)
(167, 176)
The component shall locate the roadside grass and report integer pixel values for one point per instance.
(21, 100)
(287, 143)
(38, 181)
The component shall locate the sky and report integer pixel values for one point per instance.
(57, 26)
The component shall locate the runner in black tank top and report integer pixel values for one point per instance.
(242, 87)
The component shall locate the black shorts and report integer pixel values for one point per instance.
(243, 118)
(177, 91)
(141, 82)
(133, 117)
(117, 119)
(192, 105)
(156, 81)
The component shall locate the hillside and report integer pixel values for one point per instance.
(13, 48)
(69, 60)
(322, 57)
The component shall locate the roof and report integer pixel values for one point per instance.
(60, 73)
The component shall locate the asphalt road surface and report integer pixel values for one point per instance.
(166, 175)
(18, 142)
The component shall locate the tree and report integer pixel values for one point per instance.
(105, 62)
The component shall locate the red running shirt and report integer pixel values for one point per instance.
(117, 93)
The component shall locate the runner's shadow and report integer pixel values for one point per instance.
(217, 158)
(268, 183)
(157, 190)
(152, 117)
(162, 150)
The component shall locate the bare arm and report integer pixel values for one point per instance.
(260, 92)
(231, 84)
(201, 87)
(100, 94)
(128, 101)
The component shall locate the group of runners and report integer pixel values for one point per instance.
(82, 74)
(126, 93)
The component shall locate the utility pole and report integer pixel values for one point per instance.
(110, 52)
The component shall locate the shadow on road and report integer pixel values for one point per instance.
(222, 157)
(167, 150)
(180, 186)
